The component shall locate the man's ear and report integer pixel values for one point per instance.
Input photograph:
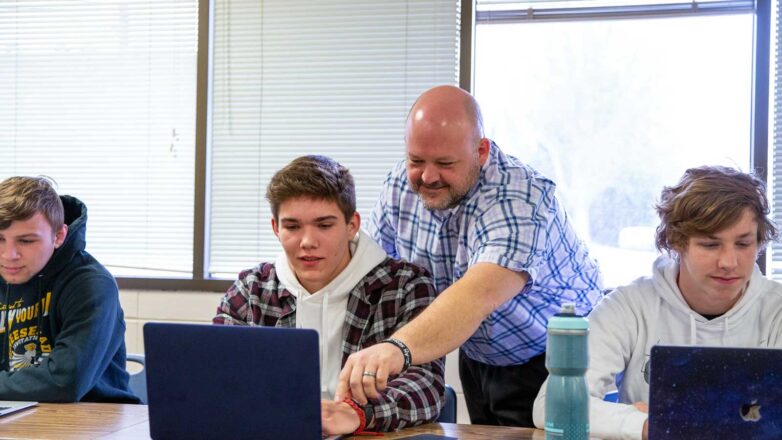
(484, 147)
(59, 236)
(275, 227)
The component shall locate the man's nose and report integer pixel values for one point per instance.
(430, 175)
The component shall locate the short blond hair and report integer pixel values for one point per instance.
(709, 199)
(21, 197)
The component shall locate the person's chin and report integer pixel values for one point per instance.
(15, 279)
(434, 205)
(430, 202)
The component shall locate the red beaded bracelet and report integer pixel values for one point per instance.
(361, 417)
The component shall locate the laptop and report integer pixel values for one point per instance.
(11, 406)
(231, 382)
(715, 392)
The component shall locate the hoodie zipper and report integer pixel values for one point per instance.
(7, 365)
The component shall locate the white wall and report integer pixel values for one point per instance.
(143, 306)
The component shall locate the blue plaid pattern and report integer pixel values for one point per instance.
(511, 218)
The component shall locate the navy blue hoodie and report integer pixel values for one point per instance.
(65, 329)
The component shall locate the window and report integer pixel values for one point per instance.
(613, 103)
(100, 96)
(103, 97)
(610, 99)
(310, 77)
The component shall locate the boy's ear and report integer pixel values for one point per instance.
(355, 223)
(275, 227)
(59, 236)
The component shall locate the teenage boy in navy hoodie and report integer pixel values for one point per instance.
(62, 331)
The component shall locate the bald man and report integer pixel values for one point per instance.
(502, 254)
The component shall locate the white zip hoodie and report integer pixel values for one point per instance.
(628, 322)
(325, 309)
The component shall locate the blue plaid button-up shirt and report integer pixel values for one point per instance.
(511, 218)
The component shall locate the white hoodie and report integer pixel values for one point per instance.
(628, 322)
(325, 309)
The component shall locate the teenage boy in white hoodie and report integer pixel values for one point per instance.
(706, 291)
(333, 278)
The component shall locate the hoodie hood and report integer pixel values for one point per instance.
(666, 271)
(325, 310)
(75, 240)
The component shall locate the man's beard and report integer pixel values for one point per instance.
(454, 194)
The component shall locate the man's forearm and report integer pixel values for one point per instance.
(441, 328)
(458, 311)
(415, 398)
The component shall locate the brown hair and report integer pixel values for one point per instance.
(21, 197)
(316, 177)
(709, 199)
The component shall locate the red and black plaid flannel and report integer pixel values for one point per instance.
(387, 298)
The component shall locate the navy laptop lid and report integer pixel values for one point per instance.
(230, 382)
(715, 392)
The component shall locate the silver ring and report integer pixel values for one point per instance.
(370, 374)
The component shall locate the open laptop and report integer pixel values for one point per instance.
(230, 382)
(715, 392)
(10, 406)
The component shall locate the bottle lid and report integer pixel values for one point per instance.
(567, 319)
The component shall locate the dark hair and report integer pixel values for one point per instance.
(709, 199)
(21, 197)
(316, 177)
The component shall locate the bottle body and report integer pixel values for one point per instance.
(567, 396)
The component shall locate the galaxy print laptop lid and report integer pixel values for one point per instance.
(715, 392)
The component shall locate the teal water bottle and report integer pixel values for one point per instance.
(567, 360)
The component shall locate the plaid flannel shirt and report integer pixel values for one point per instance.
(387, 298)
(510, 218)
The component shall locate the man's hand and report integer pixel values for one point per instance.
(338, 418)
(366, 372)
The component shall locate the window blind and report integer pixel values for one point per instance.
(295, 77)
(100, 96)
(775, 177)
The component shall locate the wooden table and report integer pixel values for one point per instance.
(68, 421)
(103, 421)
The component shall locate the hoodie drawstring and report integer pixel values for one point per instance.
(324, 349)
(38, 350)
(7, 365)
(726, 329)
(692, 329)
